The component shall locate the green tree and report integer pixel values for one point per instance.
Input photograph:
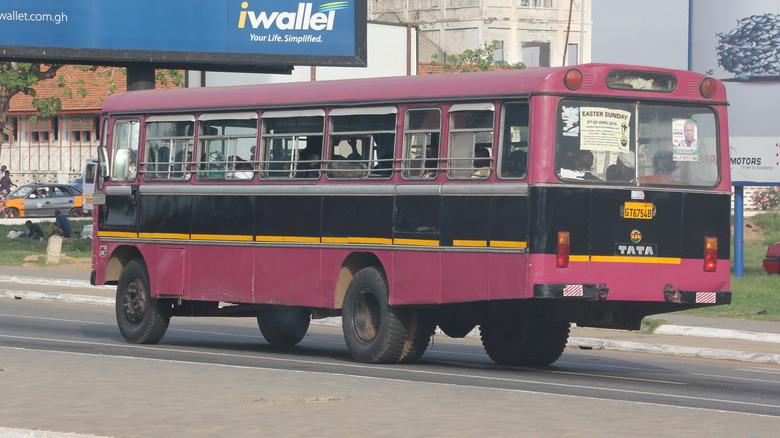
(21, 77)
(480, 59)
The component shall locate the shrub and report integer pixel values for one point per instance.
(767, 199)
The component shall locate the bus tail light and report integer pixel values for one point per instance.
(573, 79)
(562, 254)
(708, 87)
(710, 254)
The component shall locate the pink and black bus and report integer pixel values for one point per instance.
(517, 202)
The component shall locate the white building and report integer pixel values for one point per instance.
(535, 32)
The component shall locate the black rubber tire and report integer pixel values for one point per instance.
(75, 212)
(523, 338)
(11, 212)
(141, 318)
(420, 328)
(284, 327)
(455, 322)
(376, 332)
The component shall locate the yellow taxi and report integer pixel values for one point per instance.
(41, 200)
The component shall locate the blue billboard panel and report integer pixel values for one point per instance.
(176, 31)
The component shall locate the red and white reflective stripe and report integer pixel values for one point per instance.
(705, 297)
(572, 290)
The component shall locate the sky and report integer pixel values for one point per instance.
(640, 32)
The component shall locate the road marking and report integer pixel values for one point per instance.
(392, 368)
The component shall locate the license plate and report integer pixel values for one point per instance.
(638, 210)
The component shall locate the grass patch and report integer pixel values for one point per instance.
(16, 250)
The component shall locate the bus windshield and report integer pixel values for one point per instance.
(636, 143)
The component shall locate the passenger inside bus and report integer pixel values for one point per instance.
(623, 169)
(663, 169)
(481, 163)
(310, 166)
(515, 164)
(583, 163)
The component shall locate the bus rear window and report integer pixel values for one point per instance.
(636, 144)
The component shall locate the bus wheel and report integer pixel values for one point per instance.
(141, 318)
(376, 332)
(524, 338)
(283, 326)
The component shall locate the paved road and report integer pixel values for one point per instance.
(67, 369)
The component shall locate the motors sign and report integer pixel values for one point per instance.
(217, 32)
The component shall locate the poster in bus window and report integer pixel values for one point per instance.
(684, 138)
(604, 129)
(570, 116)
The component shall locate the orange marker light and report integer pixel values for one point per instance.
(708, 87)
(710, 254)
(562, 255)
(573, 79)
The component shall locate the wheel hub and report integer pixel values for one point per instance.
(134, 302)
(367, 317)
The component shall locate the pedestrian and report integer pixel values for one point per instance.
(60, 227)
(34, 231)
(6, 183)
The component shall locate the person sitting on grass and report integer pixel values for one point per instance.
(33, 231)
(60, 227)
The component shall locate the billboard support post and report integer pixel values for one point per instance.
(140, 76)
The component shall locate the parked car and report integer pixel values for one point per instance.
(40, 200)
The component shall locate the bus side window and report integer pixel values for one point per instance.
(422, 134)
(362, 142)
(168, 144)
(226, 142)
(471, 141)
(514, 140)
(125, 143)
(292, 144)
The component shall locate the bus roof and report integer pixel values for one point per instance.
(425, 88)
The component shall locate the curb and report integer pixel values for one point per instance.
(672, 350)
(574, 342)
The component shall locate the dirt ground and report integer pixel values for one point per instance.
(66, 263)
(752, 231)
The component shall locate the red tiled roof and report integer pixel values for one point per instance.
(98, 85)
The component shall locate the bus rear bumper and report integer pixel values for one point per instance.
(672, 295)
(588, 291)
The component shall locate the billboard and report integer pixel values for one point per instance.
(231, 34)
(739, 43)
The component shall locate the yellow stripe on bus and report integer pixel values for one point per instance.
(269, 238)
(416, 242)
(116, 234)
(508, 244)
(472, 243)
(231, 237)
(622, 259)
(163, 236)
(335, 240)
(370, 240)
(301, 239)
(579, 258)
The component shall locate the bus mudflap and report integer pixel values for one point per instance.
(588, 291)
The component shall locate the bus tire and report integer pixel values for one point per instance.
(373, 330)
(524, 338)
(283, 327)
(421, 326)
(141, 318)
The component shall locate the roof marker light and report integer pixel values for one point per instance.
(708, 87)
(573, 79)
